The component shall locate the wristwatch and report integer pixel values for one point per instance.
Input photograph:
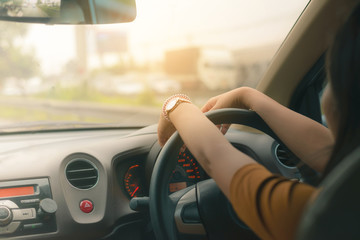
(172, 102)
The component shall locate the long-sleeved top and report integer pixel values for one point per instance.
(269, 204)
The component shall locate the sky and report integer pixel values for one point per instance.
(168, 24)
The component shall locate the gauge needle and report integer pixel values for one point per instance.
(134, 191)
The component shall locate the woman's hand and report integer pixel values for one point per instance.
(231, 99)
(165, 130)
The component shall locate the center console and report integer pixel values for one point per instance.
(26, 207)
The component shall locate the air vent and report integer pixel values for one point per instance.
(285, 157)
(82, 174)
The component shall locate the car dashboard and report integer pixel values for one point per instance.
(77, 184)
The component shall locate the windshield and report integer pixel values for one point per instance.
(56, 76)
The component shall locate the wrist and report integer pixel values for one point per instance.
(245, 97)
(172, 103)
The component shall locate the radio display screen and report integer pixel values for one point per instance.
(17, 191)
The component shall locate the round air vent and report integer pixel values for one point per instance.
(286, 157)
(81, 174)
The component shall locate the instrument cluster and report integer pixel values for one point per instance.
(186, 173)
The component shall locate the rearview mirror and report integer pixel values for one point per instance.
(68, 11)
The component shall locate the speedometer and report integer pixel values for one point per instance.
(186, 173)
(133, 181)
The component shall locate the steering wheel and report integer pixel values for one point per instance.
(201, 209)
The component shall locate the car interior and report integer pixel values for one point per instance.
(116, 182)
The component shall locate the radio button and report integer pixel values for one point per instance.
(48, 206)
(24, 214)
(8, 204)
(33, 226)
(10, 228)
(30, 201)
(4, 213)
(5, 216)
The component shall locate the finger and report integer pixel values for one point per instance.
(224, 128)
(165, 130)
(161, 141)
(163, 138)
(221, 127)
(206, 108)
(209, 105)
(183, 148)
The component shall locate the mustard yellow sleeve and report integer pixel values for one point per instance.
(270, 205)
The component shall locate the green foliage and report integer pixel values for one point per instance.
(28, 114)
(50, 11)
(81, 93)
(14, 61)
(148, 98)
(10, 32)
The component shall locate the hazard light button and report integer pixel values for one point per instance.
(86, 206)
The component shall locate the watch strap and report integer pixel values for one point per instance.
(181, 98)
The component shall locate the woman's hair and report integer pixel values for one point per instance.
(343, 70)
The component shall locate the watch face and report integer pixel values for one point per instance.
(171, 104)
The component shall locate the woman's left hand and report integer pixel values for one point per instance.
(165, 130)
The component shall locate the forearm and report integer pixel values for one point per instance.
(214, 153)
(309, 140)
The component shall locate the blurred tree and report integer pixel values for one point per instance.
(14, 61)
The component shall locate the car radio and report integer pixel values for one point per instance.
(26, 207)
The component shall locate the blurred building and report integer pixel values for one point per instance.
(200, 67)
(251, 63)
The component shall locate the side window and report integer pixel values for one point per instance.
(307, 97)
(323, 119)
